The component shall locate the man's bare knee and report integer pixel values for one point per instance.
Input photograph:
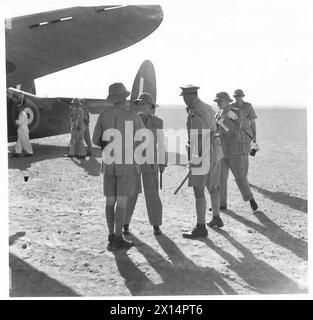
(121, 202)
(198, 192)
(110, 201)
(214, 189)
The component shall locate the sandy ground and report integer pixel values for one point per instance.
(58, 234)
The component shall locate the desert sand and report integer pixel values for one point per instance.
(58, 232)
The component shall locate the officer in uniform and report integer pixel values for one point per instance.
(202, 116)
(87, 131)
(248, 125)
(77, 114)
(150, 170)
(229, 119)
(120, 179)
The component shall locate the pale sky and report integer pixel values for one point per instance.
(263, 47)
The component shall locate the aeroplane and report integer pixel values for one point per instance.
(43, 43)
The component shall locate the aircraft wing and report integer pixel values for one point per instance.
(43, 43)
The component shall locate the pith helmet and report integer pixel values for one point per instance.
(117, 93)
(223, 96)
(189, 89)
(145, 97)
(238, 93)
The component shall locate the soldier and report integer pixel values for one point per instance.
(120, 180)
(22, 142)
(77, 114)
(229, 119)
(201, 116)
(150, 171)
(87, 131)
(248, 125)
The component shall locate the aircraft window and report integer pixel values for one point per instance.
(62, 19)
(40, 24)
(110, 8)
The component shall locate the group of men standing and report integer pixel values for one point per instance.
(229, 149)
(231, 131)
(79, 117)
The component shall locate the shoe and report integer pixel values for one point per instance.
(216, 222)
(89, 154)
(197, 232)
(28, 155)
(126, 231)
(80, 157)
(221, 208)
(110, 244)
(253, 205)
(68, 156)
(121, 243)
(157, 231)
(15, 155)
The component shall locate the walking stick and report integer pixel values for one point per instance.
(182, 183)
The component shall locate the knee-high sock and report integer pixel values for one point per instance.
(215, 202)
(120, 213)
(200, 208)
(109, 214)
(131, 204)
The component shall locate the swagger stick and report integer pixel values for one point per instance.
(182, 183)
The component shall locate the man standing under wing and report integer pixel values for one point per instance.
(120, 176)
(201, 116)
(229, 119)
(150, 171)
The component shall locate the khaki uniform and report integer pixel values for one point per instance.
(87, 131)
(233, 149)
(248, 115)
(78, 127)
(202, 116)
(119, 179)
(150, 175)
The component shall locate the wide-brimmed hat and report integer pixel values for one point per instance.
(238, 93)
(117, 93)
(223, 96)
(75, 101)
(147, 98)
(189, 89)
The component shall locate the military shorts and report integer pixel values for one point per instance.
(121, 186)
(213, 178)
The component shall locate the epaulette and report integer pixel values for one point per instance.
(157, 122)
(192, 112)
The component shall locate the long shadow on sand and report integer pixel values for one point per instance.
(29, 282)
(284, 198)
(274, 233)
(260, 276)
(181, 276)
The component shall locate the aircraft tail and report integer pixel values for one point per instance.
(145, 81)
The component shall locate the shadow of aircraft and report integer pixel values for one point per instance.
(27, 281)
(274, 233)
(16, 236)
(260, 276)
(284, 198)
(44, 152)
(181, 276)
